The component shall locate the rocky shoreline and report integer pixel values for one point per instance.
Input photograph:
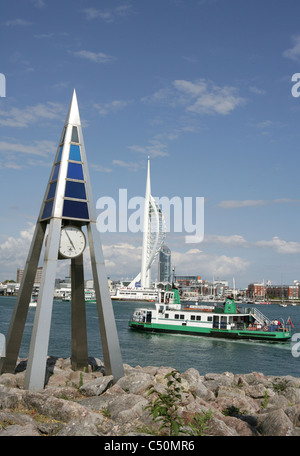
(92, 404)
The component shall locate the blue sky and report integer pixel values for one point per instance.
(202, 86)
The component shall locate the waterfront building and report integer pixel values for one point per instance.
(283, 291)
(38, 275)
(256, 290)
(164, 264)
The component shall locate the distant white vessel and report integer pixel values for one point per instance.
(135, 294)
(33, 302)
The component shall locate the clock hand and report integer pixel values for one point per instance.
(70, 240)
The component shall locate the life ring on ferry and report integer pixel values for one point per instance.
(266, 328)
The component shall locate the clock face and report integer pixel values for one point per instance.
(72, 242)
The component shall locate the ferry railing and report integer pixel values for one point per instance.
(267, 324)
(259, 316)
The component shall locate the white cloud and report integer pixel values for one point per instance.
(257, 91)
(113, 106)
(122, 260)
(133, 166)
(97, 57)
(280, 246)
(194, 261)
(219, 101)
(14, 251)
(190, 59)
(43, 148)
(18, 21)
(99, 168)
(39, 3)
(234, 240)
(108, 15)
(285, 200)
(294, 52)
(155, 149)
(191, 88)
(233, 204)
(200, 97)
(17, 117)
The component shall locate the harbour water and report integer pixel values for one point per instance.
(178, 351)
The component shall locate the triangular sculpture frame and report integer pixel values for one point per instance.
(68, 202)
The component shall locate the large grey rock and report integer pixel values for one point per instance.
(240, 426)
(136, 382)
(196, 384)
(275, 423)
(97, 387)
(59, 409)
(8, 400)
(127, 407)
(214, 381)
(20, 431)
(218, 427)
(293, 413)
(87, 426)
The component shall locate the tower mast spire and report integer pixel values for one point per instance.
(146, 272)
(154, 233)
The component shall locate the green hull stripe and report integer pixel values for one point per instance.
(211, 331)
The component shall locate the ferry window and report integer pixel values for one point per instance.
(176, 316)
(198, 317)
(209, 318)
(181, 317)
(192, 317)
(166, 315)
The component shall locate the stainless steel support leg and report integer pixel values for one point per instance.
(36, 366)
(110, 343)
(79, 332)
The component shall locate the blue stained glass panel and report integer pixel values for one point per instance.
(75, 209)
(75, 190)
(47, 210)
(59, 154)
(74, 153)
(75, 171)
(52, 189)
(55, 172)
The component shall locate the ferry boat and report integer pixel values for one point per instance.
(89, 296)
(225, 321)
